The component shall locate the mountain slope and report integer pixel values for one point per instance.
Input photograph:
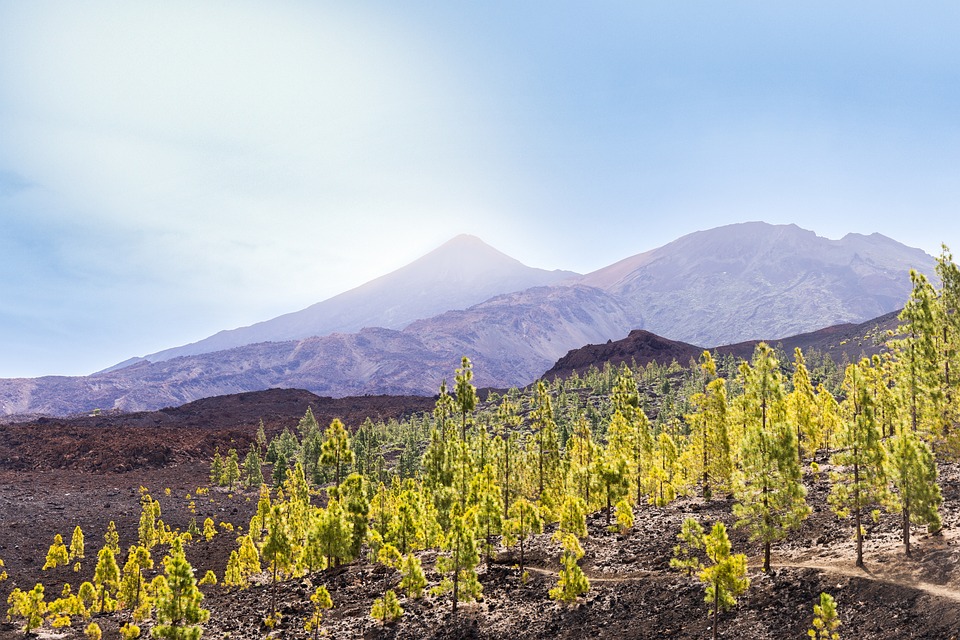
(462, 272)
(512, 339)
(741, 281)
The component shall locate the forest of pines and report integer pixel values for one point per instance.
(449, 493)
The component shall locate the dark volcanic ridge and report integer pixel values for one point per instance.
(841, 342)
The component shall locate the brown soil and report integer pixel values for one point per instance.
(634, 593)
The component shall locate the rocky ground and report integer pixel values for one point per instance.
(634, 593)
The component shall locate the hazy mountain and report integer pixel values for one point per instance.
(741, 281)
(713, 287)
(456, 275)
(511, 338)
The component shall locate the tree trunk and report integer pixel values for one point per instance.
(856, 513)
(906, 528)
(716, 608)
(766, 557)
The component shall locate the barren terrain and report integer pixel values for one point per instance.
(634, 593)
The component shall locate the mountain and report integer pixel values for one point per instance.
(511, 338)
(462, 272)
(741, 281)
(723, 286)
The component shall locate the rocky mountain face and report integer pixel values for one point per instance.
(713, 287)
(744, 281)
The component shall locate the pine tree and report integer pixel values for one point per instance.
(801, 408)
(278, 553)
(572, 582)
(76, 544)
(461, 558)
(252, 470)
(770, 492)
(336, 451)
(917, 358)
(708, 457)
(131, 593)
(106, 578)
(466, 394)
(310, 441)
(524, 520)
(279, 470)
(112, 539)
(178, 615)
(727, 577)
(825, 619)
(913, 471)
(583, 455)
(216, 468)
(30, 605)
(861, 459)
(321, 602)
(949, 335)
(261, 438)
(412, 579)
(353, 495)
(231, 470)
(57, 555)
(149, 514)
(508, 421)
(662, 471)
(548, 446)
(686, 552)
(387, 609)
(486, 495)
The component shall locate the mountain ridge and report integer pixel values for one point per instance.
(721, 286)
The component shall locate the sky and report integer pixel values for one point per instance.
(171, 169)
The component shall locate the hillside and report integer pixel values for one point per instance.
(841, 342)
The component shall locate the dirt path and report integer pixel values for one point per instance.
(845, 569)
(616, 578)
(853, 571)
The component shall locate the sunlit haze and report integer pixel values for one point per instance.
(171, 169)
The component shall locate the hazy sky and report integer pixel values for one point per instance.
(170, 169)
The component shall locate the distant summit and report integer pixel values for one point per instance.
(743, 281)
(461, 272)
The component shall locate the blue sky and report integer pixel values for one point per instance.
(171, 169)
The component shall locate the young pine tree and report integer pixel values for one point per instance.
(913, 472)
(178, 615)
(106, 578)
(461, 558)
(252, 470)
(57, 555)
(727, 577)
(770, 492)
(861, 459)
(131, 594)
(572, 582)
(321, 602)
(825, 619)
(30, 605)
(524, 521)
(336, 451)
